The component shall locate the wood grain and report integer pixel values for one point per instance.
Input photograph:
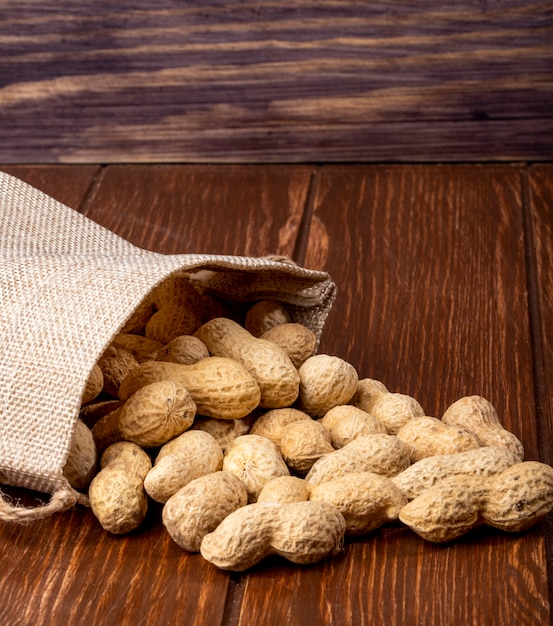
(300, 81)
(252, 211)
(66, 183)
(539, 197)
(431, 267)
(441, 270)
(433, 302)
(541, 211)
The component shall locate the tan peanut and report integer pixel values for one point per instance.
(254, 460)
(137, 321)
(520, 497)
(301, 532)
(171, 322)
(220, 387)
(271, 367)
(200, 506)
(483, 461)
(395, 409)
(304, 442)
(365, 499)
(224, 431)
(193, 454)
(215, 307)
(152, 416)
(116, 493)
(513, 500)
(185, 349)
(116, 363)
(382, 454)
(285, 489)
(296, 340)
(325, 382)
(264, 315)
(366, 393)
(347, 422)
(271, 423)
(177, 290)
(142, 348)
(428, 436)
(478, 415)
(80, 465)
(94, 384)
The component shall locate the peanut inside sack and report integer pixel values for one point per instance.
(68, 286)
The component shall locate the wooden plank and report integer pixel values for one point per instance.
(65, 183)
(539, 212)
(430, 264)
(306, 81)
(86, 575)
(540, 200)
(250, 211)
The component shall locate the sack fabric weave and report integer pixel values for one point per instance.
(67, 286)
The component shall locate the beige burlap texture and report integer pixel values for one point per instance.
(67, 286)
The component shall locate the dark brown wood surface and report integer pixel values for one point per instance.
(444, 277)
(250, 81)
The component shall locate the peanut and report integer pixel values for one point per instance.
(484, 461)
(382, 454)
(254, 460)
(521, 496)
(272, 423)
(325, 382)
(224, 431)
(301, 532)
(275, 373)
(170, 322)
(139, 318)
(94, 385)
(366, 393)
(215, 307)
(428, 436)
(220, 387)
(513, 500)
(285, 489)
(80, 465)
(265, 315)
(296, 340)
(142, 348)
(200, 506)
(193, 454)
(177, 290)
(185, 349)
(346, 422)
(478, 415)
(365, 499)
(152, 416)
(304, 442)
(116, 363)
(116, 493)
(395, 409)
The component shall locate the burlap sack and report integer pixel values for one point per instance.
(67, 286)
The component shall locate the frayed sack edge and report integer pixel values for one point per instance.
(63, 499)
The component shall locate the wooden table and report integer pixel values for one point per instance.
(445, 283)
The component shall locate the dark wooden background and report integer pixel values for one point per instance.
(268, 81)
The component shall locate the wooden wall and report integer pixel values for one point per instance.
(275, 81)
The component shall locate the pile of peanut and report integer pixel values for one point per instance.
(255, 445)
